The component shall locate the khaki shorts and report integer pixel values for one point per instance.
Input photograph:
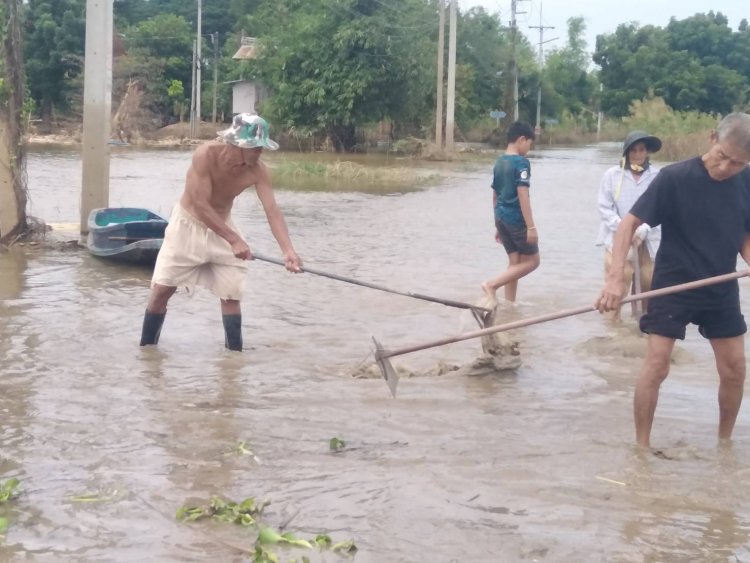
(192, 254)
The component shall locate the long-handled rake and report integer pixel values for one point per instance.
(637, 306)
(383, 355)
(480, 313)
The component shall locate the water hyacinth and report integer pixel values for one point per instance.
(8, 489)
(269, 536)
(244, 513)
(336, 444)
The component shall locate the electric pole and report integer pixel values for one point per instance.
(215, 41)
(541, 27)
(199, 39)
(451, 103)
(192, 95)
(97, 108)
(513, 63)
(440, 86)
(601, 114)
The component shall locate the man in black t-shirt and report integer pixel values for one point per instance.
(703, 207)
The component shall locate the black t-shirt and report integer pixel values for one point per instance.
(703, 224)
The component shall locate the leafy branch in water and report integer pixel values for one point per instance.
(336, 444)
(247, 513)
(242, 449)
(8, 490)
(100, 496)
(244, 513)
(269, 536)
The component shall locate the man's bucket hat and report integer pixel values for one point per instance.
(248, 131)
(653, 144)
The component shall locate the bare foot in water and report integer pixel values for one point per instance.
(490, 293)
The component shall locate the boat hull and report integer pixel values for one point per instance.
(126, 234)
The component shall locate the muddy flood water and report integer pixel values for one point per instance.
(536, 464)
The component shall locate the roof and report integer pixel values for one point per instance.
(248, 49)
(242, 81)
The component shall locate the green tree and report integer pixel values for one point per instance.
(483, 50)
(217, 15)
(695, 64)
(130, 12)
(569, 87)
(333, 67)
(54, 41)
(176, 93)
(707, 37)
(159, 51)
(614, 53)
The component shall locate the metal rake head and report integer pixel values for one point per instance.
(483, 316)
(386, 368)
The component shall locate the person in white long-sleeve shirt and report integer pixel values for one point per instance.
(620, 188)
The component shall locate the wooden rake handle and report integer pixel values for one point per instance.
(448, 302)
(385, 353)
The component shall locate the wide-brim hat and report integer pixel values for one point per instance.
(248, 131)
(653, 144)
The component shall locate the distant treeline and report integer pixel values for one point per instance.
(335, 67)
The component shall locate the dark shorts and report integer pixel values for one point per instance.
(666, 317)
(513, 238)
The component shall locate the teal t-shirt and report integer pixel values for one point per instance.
(510, 172)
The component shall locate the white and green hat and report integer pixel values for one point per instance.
(248, 131)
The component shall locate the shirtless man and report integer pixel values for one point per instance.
(202, 246)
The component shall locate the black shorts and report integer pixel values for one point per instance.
(666, 317)
(513, 238)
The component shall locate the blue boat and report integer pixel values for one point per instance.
(126, 234)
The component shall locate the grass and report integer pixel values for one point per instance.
(347, 175)
(684, 134)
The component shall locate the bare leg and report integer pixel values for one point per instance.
(160, 295)
(511, 288)
(653, 372)
(647, 273)
(230, 307)
(526, 264)
(730, 363)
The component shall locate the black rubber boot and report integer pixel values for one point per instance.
(151, 328)
(233, 332)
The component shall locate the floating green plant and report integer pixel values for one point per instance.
(244, 513)
(242, 449)
(336, 444)
(8, 490)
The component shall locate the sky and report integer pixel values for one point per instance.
(603, 16)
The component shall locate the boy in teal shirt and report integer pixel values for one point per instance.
(516, 229)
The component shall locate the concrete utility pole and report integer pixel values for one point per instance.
(601, 114)
(193, 123)
(215, 40)
(541, 27)
(440, 86)
(513, 62)
(97, 108)
(199, 38)
(450, 109)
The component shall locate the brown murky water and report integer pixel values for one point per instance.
(531, 465)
